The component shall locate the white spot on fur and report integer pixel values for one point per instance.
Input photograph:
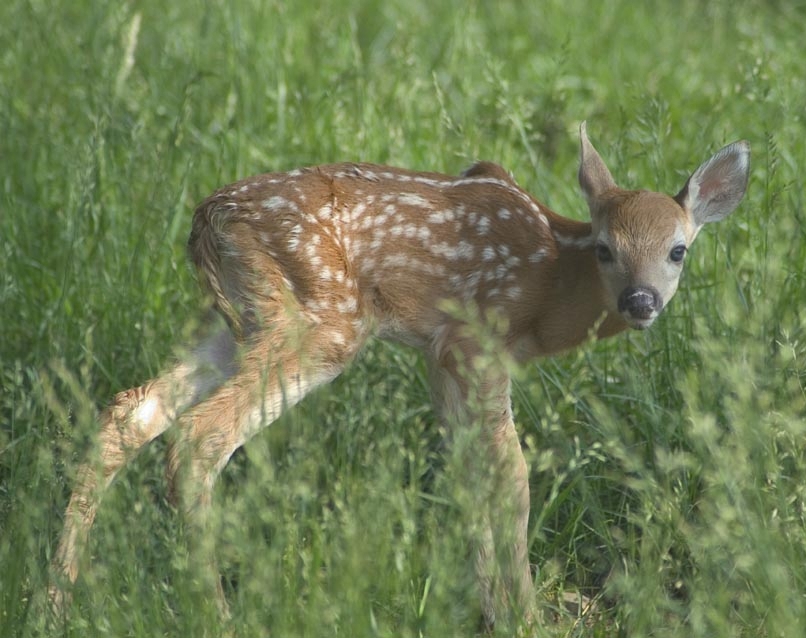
(337, 338)
(347, 306)
(358, 211)
(413, 199)
(277, 203)
(319, 306)
(145, 411)
(435, 269)
(398, 260)
(293, 239)
(472, 282)
(288, 283)
(514, 292)
(464, 250)
(444, 249)
(440, 217)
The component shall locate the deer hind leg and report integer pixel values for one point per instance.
(287, 356)
(135, 417)
(471, 392)
(272, 378)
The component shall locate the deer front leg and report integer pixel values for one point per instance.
(473, 394)
(503, 561)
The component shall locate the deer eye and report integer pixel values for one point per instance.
(677, 254)
(603, 254)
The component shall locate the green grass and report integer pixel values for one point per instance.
(668, 468)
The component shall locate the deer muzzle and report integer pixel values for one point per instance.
(640, 305)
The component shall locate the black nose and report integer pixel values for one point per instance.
(640, 302)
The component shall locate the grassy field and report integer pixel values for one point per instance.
(668, 468)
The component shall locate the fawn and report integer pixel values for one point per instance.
(306, 265)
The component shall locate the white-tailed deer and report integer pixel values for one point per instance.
(305, 266)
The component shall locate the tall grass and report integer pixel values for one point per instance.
(668, 468)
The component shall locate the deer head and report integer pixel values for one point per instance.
(641, 237)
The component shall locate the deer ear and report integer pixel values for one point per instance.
(715, 189)
(594, 178)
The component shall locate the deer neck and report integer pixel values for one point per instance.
(568, 299)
